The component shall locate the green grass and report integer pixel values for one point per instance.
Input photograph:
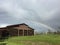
(34, 40)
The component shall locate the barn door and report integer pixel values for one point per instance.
(21, 32)
(25, 32)
(5, 33)
(13, 32)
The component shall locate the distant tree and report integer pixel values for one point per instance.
(58, 32)
(49, 31)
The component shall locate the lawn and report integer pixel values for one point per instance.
(34, 40)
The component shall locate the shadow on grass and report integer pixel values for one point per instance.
(3, 43)
(2, 40)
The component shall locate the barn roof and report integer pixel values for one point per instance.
(3, 28)
(16, 25)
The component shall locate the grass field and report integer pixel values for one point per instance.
(34, 40)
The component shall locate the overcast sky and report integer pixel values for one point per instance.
(39, 14)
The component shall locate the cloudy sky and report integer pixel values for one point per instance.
(39, 14)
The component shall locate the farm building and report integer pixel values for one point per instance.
(17, 30)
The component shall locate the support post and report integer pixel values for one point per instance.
(27, 32)
(18, 32)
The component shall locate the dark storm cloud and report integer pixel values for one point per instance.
(31, 12)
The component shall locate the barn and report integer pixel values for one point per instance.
(17, 30)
